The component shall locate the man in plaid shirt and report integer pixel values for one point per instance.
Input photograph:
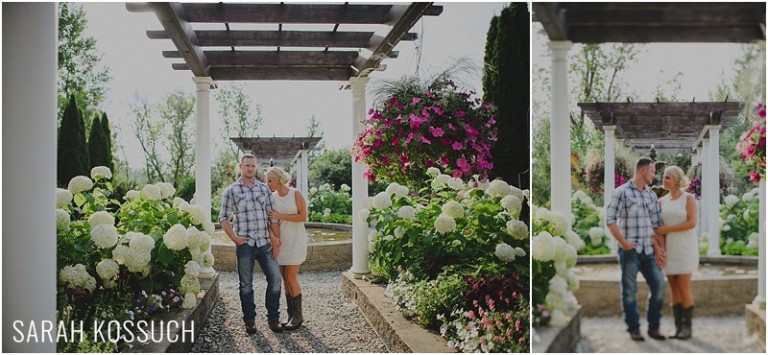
(246, 204)
(631, 215)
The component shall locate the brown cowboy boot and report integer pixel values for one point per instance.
(298, 316)
(677, 310)
(289, 304)
(687, 331)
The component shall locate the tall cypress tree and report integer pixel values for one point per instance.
(110, 163)
(72, 159)
(506, 84)
(97, 144)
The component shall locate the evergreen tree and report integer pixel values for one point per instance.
(108, 137)
(506, 84)
(98, 149)
(73, 156)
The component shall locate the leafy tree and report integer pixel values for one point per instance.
(79, 70)
(105, 129)
(176, 112)
(72, 159)
(313, 130)
(98, 145)
(506, 84)
(332, 166)
(237, 116)
(148, 131)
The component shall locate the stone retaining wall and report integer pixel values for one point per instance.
(559, 339)
(320, 256)
(755, 316)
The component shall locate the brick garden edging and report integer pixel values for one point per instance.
(398, 334)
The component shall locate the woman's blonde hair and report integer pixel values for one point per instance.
(279, 175)
(678, 174)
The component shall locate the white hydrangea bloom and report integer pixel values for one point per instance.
(313, 190)
(79, 184)
(205, 241)
(543, 247)
(388, 237)
(364, 214)
(327, 212)
(456, 243)
(561, 249)
(453, 209)
(399, 232)
(407, 212)
(558, 319)
(512, 204)
(208, 259)
(176, 237)
(63, 197)
(193, 238)
(140, 242)
(517, 229)
(559, 221)
(433, 171)
(166, 189)
(444, 224)
(62, 220)
(189, 284)
(101, 217)
(177, 201)
(192, 268)
(136, 260)
(573, 281)
(372, 235)
(209, 228)
(325, 187)
(345, 188)
(131, 195)
(499, 188)
(505, 252)
(190, 301)
(574, 240)
(382, 200)
(520, 251)
(196, 214)
(747, 197)
(731, 200)
(391, 188)
(371, 247)
(102, 171)
(456, 183)
(107, 269)
(150, 192)
(726, 227)
(104, 235)
(77, 277)
(120, 253)
(440, 180)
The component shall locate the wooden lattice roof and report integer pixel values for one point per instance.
(239, 41)
(280, 150)
(645, 22)
(671, 127)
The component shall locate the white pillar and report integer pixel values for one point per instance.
(304, 182)
(359, 184)
(203, 155)
(699, 202)
(713, 216)
(705, 195)
(609, 180)
(29, 193)
(761, 248)
(560, 130)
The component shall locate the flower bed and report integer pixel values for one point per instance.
(589, 223)
(329, 206)
(740, 222)
(454, 257)
(751, 145)
(146, 255)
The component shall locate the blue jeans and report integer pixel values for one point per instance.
(631, 262)
(246, 255)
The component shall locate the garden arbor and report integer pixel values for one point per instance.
(566, 23)
(669, 127)
(268, 42)
(282, 152)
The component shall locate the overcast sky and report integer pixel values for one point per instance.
(137, 67)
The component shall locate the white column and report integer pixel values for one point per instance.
(705, 195)
(560, 130)
(359, 184)
(609, 181)
(713, 212)
(699, 202)
(761, 248)
(304, 182)
(203, 155)
(29, 193)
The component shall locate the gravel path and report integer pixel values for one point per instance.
(332, 323)
(710, 335)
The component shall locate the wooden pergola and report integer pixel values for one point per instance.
(283, 41)
(238, 41)
(282, 152)
(669, 127)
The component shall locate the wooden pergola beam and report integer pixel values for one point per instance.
(285, 38)
(248, 58)
(552, 18)
(282, 73)
(292, 13)
(182, 35)
(664, 34)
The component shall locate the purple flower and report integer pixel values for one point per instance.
(409, 137)
(457, 146)
(437, 110)
(460, 114)
(436, 132)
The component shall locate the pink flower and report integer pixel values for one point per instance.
(754, 176)
(377, 143)
(415, 101)
(464, 166)
(377, 115)
(456, 173)
(409, 137)
(460, 114)
(437, 110)
(399, 106)
(471, 314)
(471, 131)
(425, 140)
(395, 140)
(417, 121)
(451, 127)
(430, 95)
(369, 176)
(404, 159)
(436, 132)
(457, 146)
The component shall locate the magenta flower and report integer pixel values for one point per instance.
(436, 132)
(456, 173)
(463, 165)
(415, 101)
(377, 143)
(409, 137)
(404, 159)
(457, 146)
(437, 110)
(425, 140)
(460, 114)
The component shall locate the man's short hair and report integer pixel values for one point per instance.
(642, 162)
(247, 156)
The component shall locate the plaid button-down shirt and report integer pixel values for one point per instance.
(249, 205)
(636, 213)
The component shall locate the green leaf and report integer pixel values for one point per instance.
(79, 200)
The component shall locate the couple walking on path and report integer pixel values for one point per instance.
(266, 227)
(654, 235)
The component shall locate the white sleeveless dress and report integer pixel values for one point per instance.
(292, 234)
(682, 246)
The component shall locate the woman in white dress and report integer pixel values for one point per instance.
(291, 212)
(678, 212)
